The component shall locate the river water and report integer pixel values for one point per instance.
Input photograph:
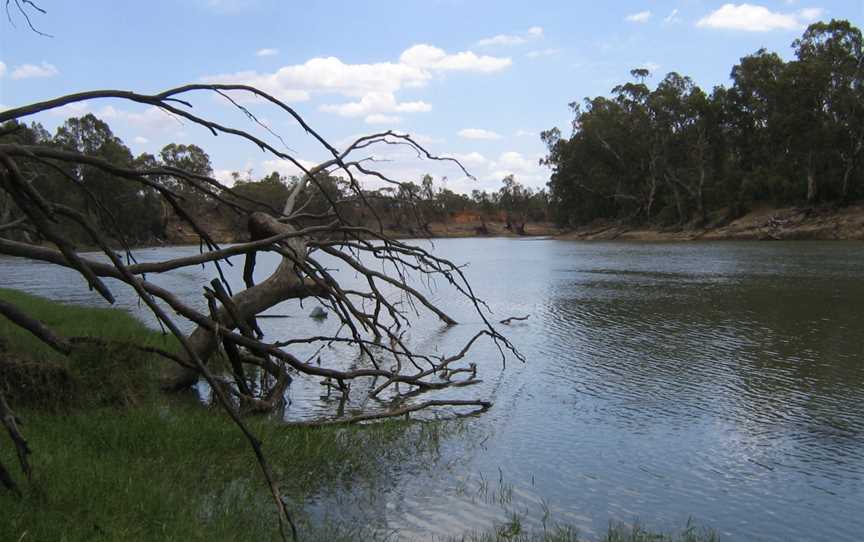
(718, 382)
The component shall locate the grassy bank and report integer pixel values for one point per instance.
(511, 532)
(115, 459)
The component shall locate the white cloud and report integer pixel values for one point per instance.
(376, 103)
(378, 118)
(526, 170)
(267, 52)
(75, 109)
(469, 160)
(652, 67)
(2, 68)
(428, 57)
(641, 17)
(151, 119)
(28, 71)
(285, 167)
(478, 133)
(298, 82)
(513, 162)
(542, 52)
(810, 14)
(424, 139)
(224, 176)
(524, 133)
(754, 18)
(502, 39)
(141, 140)
(536, 31)
(533, 33)
(373, 84)
(269, 83)
(673, 17)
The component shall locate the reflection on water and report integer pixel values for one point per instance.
(722, 382)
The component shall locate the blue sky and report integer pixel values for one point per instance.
(474, 79)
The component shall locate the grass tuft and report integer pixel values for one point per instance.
(114, 459)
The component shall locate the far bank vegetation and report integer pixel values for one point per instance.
(783, 134)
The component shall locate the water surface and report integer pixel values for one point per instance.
(722, 382)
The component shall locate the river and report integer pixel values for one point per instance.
(719, 382)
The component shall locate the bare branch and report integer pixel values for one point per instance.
(372, 320)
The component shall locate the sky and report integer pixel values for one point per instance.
(473, 79)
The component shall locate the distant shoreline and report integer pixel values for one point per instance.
(763, 224)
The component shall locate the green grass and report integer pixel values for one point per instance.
(34, 375)
(115, 459)
(512, 531)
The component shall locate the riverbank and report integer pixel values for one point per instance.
(183, 235)
(115, 459)
(764, 224)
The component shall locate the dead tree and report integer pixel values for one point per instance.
(372, 321)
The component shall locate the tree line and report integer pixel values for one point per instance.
(783, 133)
(136, 214)
(118, 205)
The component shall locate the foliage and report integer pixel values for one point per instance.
(145, 219)
(162, 468)
(783, 133)
(34, 375)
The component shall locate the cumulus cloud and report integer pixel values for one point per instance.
(378, 118)
(533, 33)
(373, 86)
(424, 139)
(286, 168)
(469, 160)
(75, 109)
(478, 133)
(810, 14)
(542, 52)
(428, 57)
(512, 162)
(416, 67)
(267, 52)
(673, 17)
(376, 103)
(224, 176)
(652, 67)
(755, 18)
(141, 140)
(151, 119)
(641, 17)
(29, 71)
(329, 75)
(526, 170)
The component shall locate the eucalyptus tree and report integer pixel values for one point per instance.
(514, 199)
(782, 133)
(830, 75)
(682, 124)
(310, 232)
